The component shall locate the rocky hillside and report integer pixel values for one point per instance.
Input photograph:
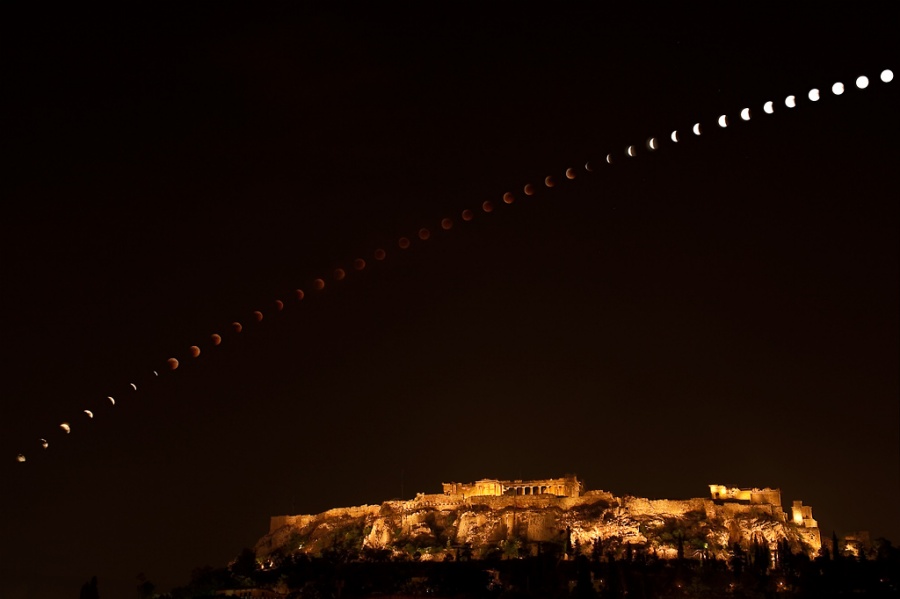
(441, 527)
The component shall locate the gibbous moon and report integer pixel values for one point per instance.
(173, 363)
(862, 82)
(723, 121)
(359, 264)
(216, 338)
(238, 327)
(319, 284)
(674, 136)
(65, 426)
(133, 386)
(609, 159)
(424, 234)
(89, 413)
(570, 173)
(44, 443)
(651, 143)
(696, 129)
(529, 189)
(508, 198)
(339, 274)
(279, 305)
(195, 351)
(487, 206)
(887, 75)
(446, 224)
(630, 151)
(403, 242)
(380, 254)
(468, 215)
(20, 458)
(549, 182)
(111, 400)
(769, 107)
(790, 101)
(814, 95)
(837, 89)
(745, 114)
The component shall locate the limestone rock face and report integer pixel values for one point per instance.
(439, 527)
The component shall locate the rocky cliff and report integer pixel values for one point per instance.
(440, 527)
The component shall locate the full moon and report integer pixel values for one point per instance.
(790, 101)
(862, 82)
(769, 107)
(887, 75)
(814, 95)
(745, 114)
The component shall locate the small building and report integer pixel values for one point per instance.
(567, 486)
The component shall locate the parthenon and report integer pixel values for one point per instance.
(568, 486)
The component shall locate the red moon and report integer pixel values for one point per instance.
(403, 242)
(195, 351)
(570, 173)
(216, 338)
(424, 234)
(549, 182)
(446, 224)
(237, 327)
(319, 284)
(508, 198)
(258, 315)
(173, 363)
(487, 207)
(339, 274)
(300, 295)
(380, 254)
(279, 305)
(467, 214)
(529, 189)
(359, 264)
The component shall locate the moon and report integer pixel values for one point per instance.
(570, 173)
(258, 315)
(696, 128)
(319, 284)
(173, 363)
(674, 136)
(359, 263)
(238, 327)
(487, 206)
(20, 458)
(403, 242)
(837, 89)
(44, 443)
(790, 101)
(548, 181)
(216, 338)
(862, 82)
(468, 215)
(133, 386)
(446, 224)
(651, 143)
(65, 426)
(508, 198)
(814, 95)
(588, 167)
(155, 373)
(745, 114)
(339, 274)
(380, 254)
(279, 305)
(723, 121)
(630, 151)
(529, 189)
(195, 351)
(609, 159)
(769, 107)
(424, 234)
(89, 413)
(111, 400)
(887, 75)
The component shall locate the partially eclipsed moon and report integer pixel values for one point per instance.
(549, 182)
(468, 215)
(837, 89)
(651, 143)
(89, 413)
(630, 150)
(696, 128)
(238, 327)
(258, 315)
(216, 338)
(588, 167)
(44, 443)
(814, 95)
(133, 386)
(65, 426)
(609, 159)
(20, 458)
(339, 274)
(279, 305)
(195, 351)
(359, 264)
(424, 234)
(111, 400)
(319, 284)
(529, 189)
(155, 373)
(300, 295)
(446, 224)
(769, 107)
(723, 121)
(487, 206)
(508, 198)
(380, 254)
(570, 173)
(790, 101)
(674, 136)
(173, 363)
(745, 114)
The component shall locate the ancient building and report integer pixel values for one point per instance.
(568, 486)
(753, 495)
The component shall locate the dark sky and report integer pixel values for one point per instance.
(724, 309)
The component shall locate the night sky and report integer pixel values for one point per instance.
(720, 310)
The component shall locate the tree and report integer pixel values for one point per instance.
(89, 590)
(145, 588)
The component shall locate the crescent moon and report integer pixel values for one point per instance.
(814, 95)
(44, 443)
(588, 167)
(155, 373)
(790, 101)
(133, 386)
(745, 114)
(674, 136)
(89, 413)
(111, 400)
(570, 173)
(630, 151)
(609, 159)
(723, 121)
(173, 363)
(195, 351)
(20, 458)
(837, 89)
(696, 129)
(769, 107)
(216, 338)
(548, 181)
(65, 426)
(652, 143)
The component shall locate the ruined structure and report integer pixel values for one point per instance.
(529, 516)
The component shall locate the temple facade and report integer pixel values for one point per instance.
(567, 486)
